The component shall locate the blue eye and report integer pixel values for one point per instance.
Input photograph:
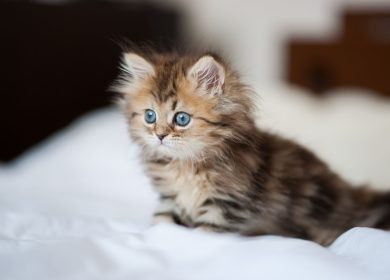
(150, 116)
(182, 119)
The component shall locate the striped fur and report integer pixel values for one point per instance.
(221, 173)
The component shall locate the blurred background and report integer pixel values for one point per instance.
(321, 67)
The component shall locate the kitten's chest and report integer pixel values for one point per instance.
(191, 192)
(190, 189)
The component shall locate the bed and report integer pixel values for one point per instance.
(78, 206)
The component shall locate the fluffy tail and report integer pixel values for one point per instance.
(382, 206)
(377, 211)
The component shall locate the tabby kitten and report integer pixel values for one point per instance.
(215, 170)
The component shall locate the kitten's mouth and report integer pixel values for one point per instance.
(165, 148)
(164, 145)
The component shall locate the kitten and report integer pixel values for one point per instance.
(215, 170)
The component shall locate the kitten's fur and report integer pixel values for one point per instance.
(222, 173)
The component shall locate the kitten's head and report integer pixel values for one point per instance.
(182, 107)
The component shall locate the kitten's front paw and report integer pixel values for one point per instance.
(163, 218)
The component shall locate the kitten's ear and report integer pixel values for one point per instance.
(208, 74)
(135, 69)
(137, 66)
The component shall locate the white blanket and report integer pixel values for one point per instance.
(79, 207)
(33, 247)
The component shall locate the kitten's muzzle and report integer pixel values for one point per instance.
(161, 136)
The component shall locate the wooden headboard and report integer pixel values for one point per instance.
(359, 57)
(57, 61)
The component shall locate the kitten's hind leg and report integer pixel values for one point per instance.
(212, 228)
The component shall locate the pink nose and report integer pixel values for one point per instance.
(161, 136)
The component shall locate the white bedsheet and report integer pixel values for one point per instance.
(79, 207)
(33, 247)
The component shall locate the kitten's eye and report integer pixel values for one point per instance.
(150, 116)
(182, 119)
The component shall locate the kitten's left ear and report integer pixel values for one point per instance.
(208, 74)
(135, 70)
(137, 66)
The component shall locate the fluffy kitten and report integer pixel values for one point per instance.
(215, 170)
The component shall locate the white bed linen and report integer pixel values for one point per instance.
(34, 247)
(78, 206)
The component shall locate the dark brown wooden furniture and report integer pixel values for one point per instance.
(359, 57)
(57, 61)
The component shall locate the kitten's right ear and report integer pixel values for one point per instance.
(137, 66)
